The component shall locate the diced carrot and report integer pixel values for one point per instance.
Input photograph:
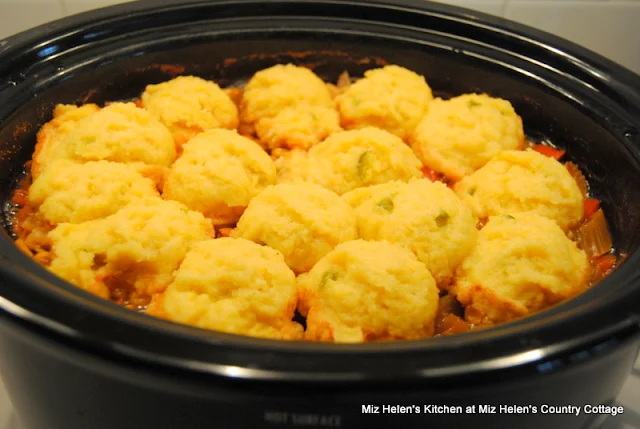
(549, 151)
(430, 174)
(138, 103)
(605, 263)
(452, 324)
(43, 258)
(591, 206)
(23, 246)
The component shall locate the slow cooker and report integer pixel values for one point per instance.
(71, 360)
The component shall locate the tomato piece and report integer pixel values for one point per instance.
(591, 206)
(430, 174)
(549, 151)
(20, 197)
(605, 263)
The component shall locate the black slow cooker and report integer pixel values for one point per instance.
(73, 361)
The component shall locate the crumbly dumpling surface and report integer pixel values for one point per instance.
(352, 159)
(460, 135)
(392, 98)
(424, 216)
(120, 132)
(291, 165)
(368, 290)
(218, 173)
(189, 105)
(522, 263)
(67, 192)
(272, 90)
(48, 146)
(298, 127)
(235, 286)
(303, 221)
(135, 250)
(520, 181)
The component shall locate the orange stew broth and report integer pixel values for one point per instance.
(30, 235)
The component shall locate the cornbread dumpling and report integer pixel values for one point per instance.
(131, 254)
(67, 192)
(352, 159)
(120, 132)
(520, 181)
(218, 173)
(359, 196)
(189, 105)
(367, 291)
(426, 217)
(235, 286)
(298, 127)
(522, 263)
(272, 90)
(460, 135)
(291, 165)
(392, 98)
(303, 221)
(48, 147)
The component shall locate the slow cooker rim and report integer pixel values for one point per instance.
(78, 22)
(6, 267)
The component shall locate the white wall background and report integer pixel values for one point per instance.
(609, 27)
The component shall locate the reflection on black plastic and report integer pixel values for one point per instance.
(577, 357)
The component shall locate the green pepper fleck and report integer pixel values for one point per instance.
(472, 191)
(442, 219)
(473, 103)
(386, 204)
(330, 275)
(509, 217)
(364, 164)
